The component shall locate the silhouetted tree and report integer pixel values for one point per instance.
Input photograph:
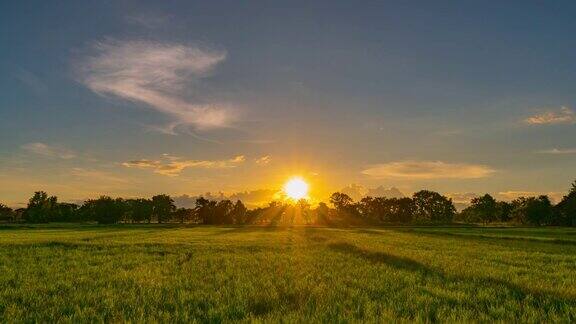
(139, 210)
(205, 210)
(323, 214)
(401, 210)
(430, 206)
(104, 210)
(162, 207)
(6, 214)
(185, 215)
(41, 208)
(239, 213)
(224, 212)
(504, 211)
(482, 209)
(66, 212)
(566, 209)
(532, 210)
(341, 201)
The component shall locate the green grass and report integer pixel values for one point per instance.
(170, 273)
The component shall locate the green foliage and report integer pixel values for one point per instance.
(6, 214)
(104, 210)
(168, 273)
(162, 207)
(430, 206)
(532, 210)
(41, 208)
(140, 210)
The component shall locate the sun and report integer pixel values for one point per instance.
(296, 188)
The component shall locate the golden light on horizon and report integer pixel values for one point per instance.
(296, 188)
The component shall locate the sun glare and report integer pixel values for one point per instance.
(296, 188)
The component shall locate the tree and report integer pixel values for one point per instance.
(432, 206)
(482, 209)
(184, 214)
(6, 213)
(104, 210)
(239, 213)
(323, 214)
(66, 212)
(205, 209)
(532, 210)
(224, 212)
(401, 210)
(341, 201)
(566, 209)
(140, 209)
(41, 208)
(162, 207)
(302, 209)
(504, 211)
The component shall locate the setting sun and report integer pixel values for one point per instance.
(296, 188)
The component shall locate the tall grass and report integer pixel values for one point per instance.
(163, 273)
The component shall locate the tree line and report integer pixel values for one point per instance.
(424, 207)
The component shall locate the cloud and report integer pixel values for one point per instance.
(49, 150)
(558, 151)
(164, 76)
(173, 166)
(252, 199)
(564, 116)
(423, 170)
(264, 160)
(462, 197)
(357, 192)
(513, 194)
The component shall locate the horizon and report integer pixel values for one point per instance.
(132, 99)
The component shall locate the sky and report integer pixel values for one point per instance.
(136, 98)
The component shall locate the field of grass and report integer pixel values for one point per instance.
(169, 273)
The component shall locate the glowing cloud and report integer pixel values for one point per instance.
(263, 160)
(165, 77)
(513, 194)
(564, 116)
(422, 170)
(172, 166)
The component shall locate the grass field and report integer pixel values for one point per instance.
(155, 273)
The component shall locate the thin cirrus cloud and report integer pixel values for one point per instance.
(423, 170)
(52, 151)
(563, 116)
(172, 166)
(558, 151)
(163, 76)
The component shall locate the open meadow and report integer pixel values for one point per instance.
(83, 273)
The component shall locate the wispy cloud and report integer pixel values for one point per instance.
(563, 116)
(263, 160)
(52, 151)
(173, 166)
(558, 151)
(164, 76)
(421, 170)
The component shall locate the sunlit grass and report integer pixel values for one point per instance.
(152, 273)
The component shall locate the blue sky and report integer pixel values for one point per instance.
(134, 98)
